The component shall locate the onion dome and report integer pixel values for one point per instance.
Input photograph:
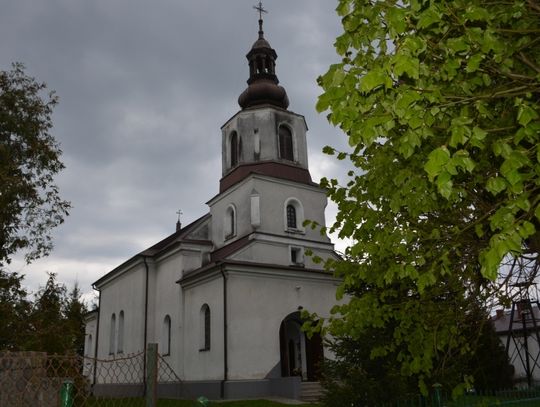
(263, 85)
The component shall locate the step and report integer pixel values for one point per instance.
(311, 391)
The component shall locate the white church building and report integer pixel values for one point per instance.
(222, 296)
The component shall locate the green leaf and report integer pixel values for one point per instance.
(458, 44)
(496, 185)
(525, 114)
(406, 64)
(437, 159)
(445, 184)
(428, 17)
(474, 63)
(474, 13)
(373, 79)
(396, 19)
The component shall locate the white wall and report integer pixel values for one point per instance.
(257, 304)
(203, 365)
(127, 293)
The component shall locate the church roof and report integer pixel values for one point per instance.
(180, 236)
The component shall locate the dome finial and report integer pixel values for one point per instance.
(263, 88)
(261, 10)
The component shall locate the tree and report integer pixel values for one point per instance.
(14, 311)
(29, 160)
(47, 321)
(74, 312)
(440, 102)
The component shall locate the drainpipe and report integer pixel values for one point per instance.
(97, 335)
(145, 336)
(225, 356)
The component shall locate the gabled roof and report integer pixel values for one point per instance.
(180, 236)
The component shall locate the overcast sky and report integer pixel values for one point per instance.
(144, 88)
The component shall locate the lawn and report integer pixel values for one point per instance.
(139, 402)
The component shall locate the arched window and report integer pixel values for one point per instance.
(234, 149)
(120, 346)
(89, 346)
(291, 216)
(285, 143)
(205, 327)
(112, 335)
(230, 222)
(166, 336)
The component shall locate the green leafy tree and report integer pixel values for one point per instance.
(47, 321)
(74, 312)
(14, 311)
(29, 159)
(440, 103)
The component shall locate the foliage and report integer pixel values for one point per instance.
(440, 103)
(14, 311)
(53, 322)
(29, 160)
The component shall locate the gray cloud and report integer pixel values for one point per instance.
(144, 88)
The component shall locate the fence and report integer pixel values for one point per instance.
(510, 397)
(39, 380)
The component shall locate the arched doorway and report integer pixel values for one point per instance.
(300, 355)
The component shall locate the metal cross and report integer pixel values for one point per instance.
(260, 9)
(179, 213)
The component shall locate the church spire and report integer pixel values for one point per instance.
(263, 85)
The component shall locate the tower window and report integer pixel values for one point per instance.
(285, 143)
(205, 328)
(234, 149)
(230, 222)
(291, 216)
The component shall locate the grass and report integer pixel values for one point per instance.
(139, 402)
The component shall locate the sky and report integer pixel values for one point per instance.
(144, 88)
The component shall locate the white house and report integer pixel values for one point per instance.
(222, 296)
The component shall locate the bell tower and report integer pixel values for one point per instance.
(264, 137)
(266, 191)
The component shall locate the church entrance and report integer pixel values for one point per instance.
(300, 355)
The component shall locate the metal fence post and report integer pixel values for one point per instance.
(66, 394)
(151, 374)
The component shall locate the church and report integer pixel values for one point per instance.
(222, 297)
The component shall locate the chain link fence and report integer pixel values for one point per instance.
(35, 379)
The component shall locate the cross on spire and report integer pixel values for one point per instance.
(261, 10)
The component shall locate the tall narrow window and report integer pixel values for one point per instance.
(166, 336)
(234, 149)
(120, 346)
(285, 143)
(230, 222)
(291, 217)
(205, 327)
(112, 335)
(89, 346)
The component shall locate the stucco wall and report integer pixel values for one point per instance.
(274, 195)
(127, 293)
(260, 126)
(257, 304)
(208, 364)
